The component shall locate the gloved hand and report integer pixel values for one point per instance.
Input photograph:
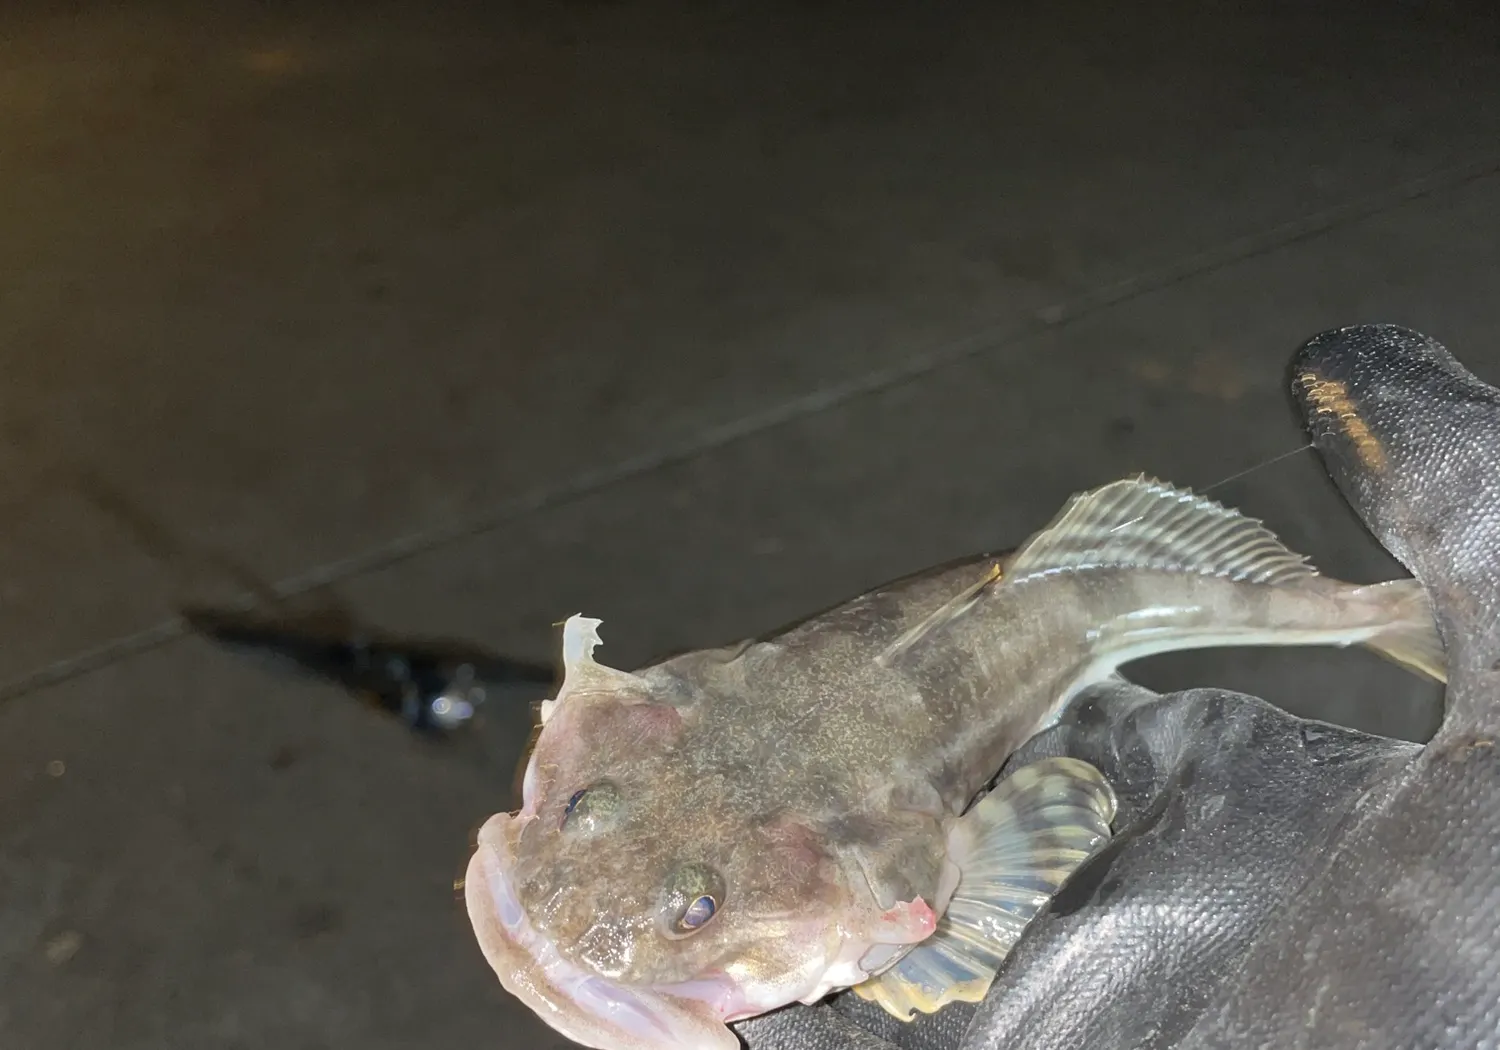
(1277, 882)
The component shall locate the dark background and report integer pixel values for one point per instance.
(693, 318)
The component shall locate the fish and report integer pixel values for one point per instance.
(734, 829)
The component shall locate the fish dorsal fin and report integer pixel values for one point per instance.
(1142, 523)
(945, 614)
(581, 673)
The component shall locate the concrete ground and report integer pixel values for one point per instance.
(695, 320)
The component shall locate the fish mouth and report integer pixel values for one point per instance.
(583, 1006)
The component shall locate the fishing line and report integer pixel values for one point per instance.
(1259, 466)
(1233, 477)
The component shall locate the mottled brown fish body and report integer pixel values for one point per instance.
(828, 720)
(734, 829)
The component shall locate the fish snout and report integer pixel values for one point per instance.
(607, 947)
(581, 1003)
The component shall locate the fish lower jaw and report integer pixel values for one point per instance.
(580, 1005)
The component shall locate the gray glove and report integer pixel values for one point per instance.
(1277, 882)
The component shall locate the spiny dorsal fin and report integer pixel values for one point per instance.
(1142, 523)
(945, 614)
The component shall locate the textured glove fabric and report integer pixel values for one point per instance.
(1277, 882)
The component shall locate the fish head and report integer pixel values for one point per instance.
(643, 897)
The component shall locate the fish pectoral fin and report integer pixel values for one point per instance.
(1015, 849)
(1143, 523)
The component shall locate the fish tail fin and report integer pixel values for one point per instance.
(1015, 849)
(1412, 640)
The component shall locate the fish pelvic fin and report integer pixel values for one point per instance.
(1015, 850)
(1412, 640)
(1142, 523)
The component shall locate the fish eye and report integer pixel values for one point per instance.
(592, 808)
(693, 897)
(698, 912)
